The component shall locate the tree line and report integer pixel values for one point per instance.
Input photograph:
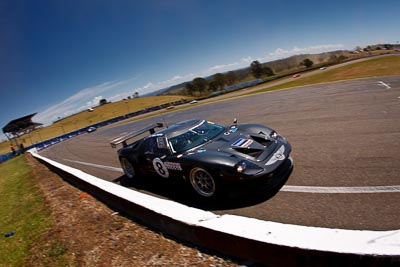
(199, 86)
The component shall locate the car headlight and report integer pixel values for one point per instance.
(248, 168)
(241, 167)
(274, 134)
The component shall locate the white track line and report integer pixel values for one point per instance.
(384, 84)
(341, 189)
(95, 165)
(293, 188)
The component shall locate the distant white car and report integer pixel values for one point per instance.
(193, 102)
(91, 129)
(323, 68)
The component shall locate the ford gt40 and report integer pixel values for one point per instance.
(211, 158)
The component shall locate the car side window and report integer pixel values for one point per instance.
(150, 145)
(157, 145)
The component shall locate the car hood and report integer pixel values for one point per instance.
(255, 147)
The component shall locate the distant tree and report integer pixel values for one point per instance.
(213, 86)
(334, 59)
(136, 95)
(220, 80)
(231, 77)
(102, 102)
(256, 69)
(341, 58)
(200, 84)
(307, 63)
(337, 59)
(388, 46)
(267, 71)
(129, 97)
(189, 89)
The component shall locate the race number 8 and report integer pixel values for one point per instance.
(160, 168)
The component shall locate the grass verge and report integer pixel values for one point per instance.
(85, 118)
(22, 210)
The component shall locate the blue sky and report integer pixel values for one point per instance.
(60, 57)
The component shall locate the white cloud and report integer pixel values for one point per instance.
(94, 102)
(112, 91)
(230, 66)
(247, 59)
(118, 97)
(83, 99)
(282, 53)
(148, 85)
(175, 80)
(216, 68)
(219, 68)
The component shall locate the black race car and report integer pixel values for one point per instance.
(212, 158)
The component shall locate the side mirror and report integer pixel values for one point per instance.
(233, 127)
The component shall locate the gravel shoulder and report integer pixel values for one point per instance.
(86, 232)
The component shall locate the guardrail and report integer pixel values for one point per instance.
(267, 243)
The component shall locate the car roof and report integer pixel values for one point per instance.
(180, 128)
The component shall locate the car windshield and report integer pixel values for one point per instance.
(195, 136)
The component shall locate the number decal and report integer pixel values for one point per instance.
(160, 168)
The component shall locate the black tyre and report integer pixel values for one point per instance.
(128, 168)
(202, 182)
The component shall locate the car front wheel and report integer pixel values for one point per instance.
(202, 182)
(128, 168)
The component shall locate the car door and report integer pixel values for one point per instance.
(158, 157)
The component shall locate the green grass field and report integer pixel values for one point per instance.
(22, 210)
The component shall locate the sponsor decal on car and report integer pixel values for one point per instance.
(242, 142)
(173, 166)
(161, 142)
(160, 168)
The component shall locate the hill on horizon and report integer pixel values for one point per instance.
(278, 66)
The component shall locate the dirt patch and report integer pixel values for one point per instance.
(88, 233)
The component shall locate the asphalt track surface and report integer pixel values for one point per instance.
(346, 142)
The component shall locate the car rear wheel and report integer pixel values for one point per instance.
(128, 168)
(202, 182)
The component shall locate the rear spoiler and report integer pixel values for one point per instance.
(125, 138)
